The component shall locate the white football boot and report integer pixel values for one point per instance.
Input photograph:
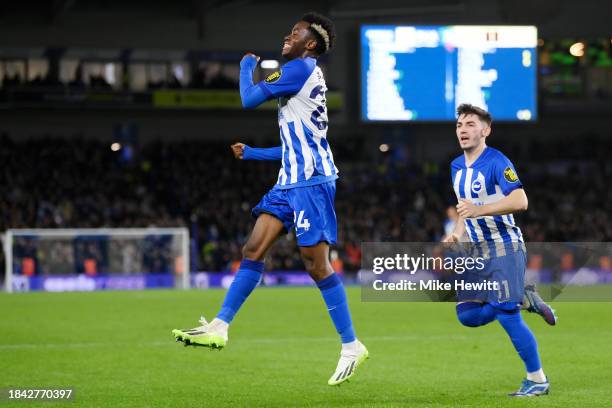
(351, 357)
(213, 335)
(179, 334)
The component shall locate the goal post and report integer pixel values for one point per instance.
(61, 259)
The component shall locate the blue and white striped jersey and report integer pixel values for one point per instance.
(490, 178)
(302, 117)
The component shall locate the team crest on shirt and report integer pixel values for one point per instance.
(273, 77)
(510, 175)
(476, 186)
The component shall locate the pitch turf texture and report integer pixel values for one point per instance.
(116, 350)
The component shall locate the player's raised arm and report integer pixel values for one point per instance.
(250, 94)
(287, 81)
(245, 152)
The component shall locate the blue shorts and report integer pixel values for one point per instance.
(507, 271)
(309, 210)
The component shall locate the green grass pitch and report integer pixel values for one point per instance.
(116, 350)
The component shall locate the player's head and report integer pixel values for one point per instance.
(473, 126)
(313, 35)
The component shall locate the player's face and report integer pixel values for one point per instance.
(298, 41)
(471, 131)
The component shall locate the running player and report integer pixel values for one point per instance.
(489, 192)
(303, 197)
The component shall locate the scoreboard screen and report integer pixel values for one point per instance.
(422, 73)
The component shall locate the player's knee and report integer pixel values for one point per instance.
(317, 270)
(308, 264)
(468, 319)
(311, 266)
(469, 314)
(252, 252)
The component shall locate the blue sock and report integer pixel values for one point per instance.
(246, 280)
(522, 338)
(337, 306)
(474, 314)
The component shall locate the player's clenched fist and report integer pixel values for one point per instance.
(466, 209)
(451, 238)
(249, 61)
(238, 150)
(250, 54)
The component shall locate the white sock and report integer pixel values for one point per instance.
(219, 324)
(537, 376)
(352, 346)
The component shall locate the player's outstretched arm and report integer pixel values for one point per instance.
(244, 152)
(516, 201)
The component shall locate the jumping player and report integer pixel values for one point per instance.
(303, 197)
(489, 192)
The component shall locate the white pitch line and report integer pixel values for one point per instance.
(170, 342)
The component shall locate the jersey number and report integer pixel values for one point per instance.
(300, 221)
(504, 295)
(315, 118)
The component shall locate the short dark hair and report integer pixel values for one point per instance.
(327, 25)
(468, 109)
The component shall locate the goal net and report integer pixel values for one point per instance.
(96, 259)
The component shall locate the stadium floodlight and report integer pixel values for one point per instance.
(269, 64)
(97, 258)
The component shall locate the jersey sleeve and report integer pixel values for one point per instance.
(452, 179)
(289, 80)
(262, 153)
(454, 168)
(505, 175)
(250, 95)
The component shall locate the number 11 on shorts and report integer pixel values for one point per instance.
(300, 221)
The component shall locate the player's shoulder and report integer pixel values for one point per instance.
(458, 162)
(298, 66)
(496, 156)
(292, 75)
(495, 153)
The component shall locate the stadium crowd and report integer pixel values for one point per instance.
(50, 182)
(202, 79)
